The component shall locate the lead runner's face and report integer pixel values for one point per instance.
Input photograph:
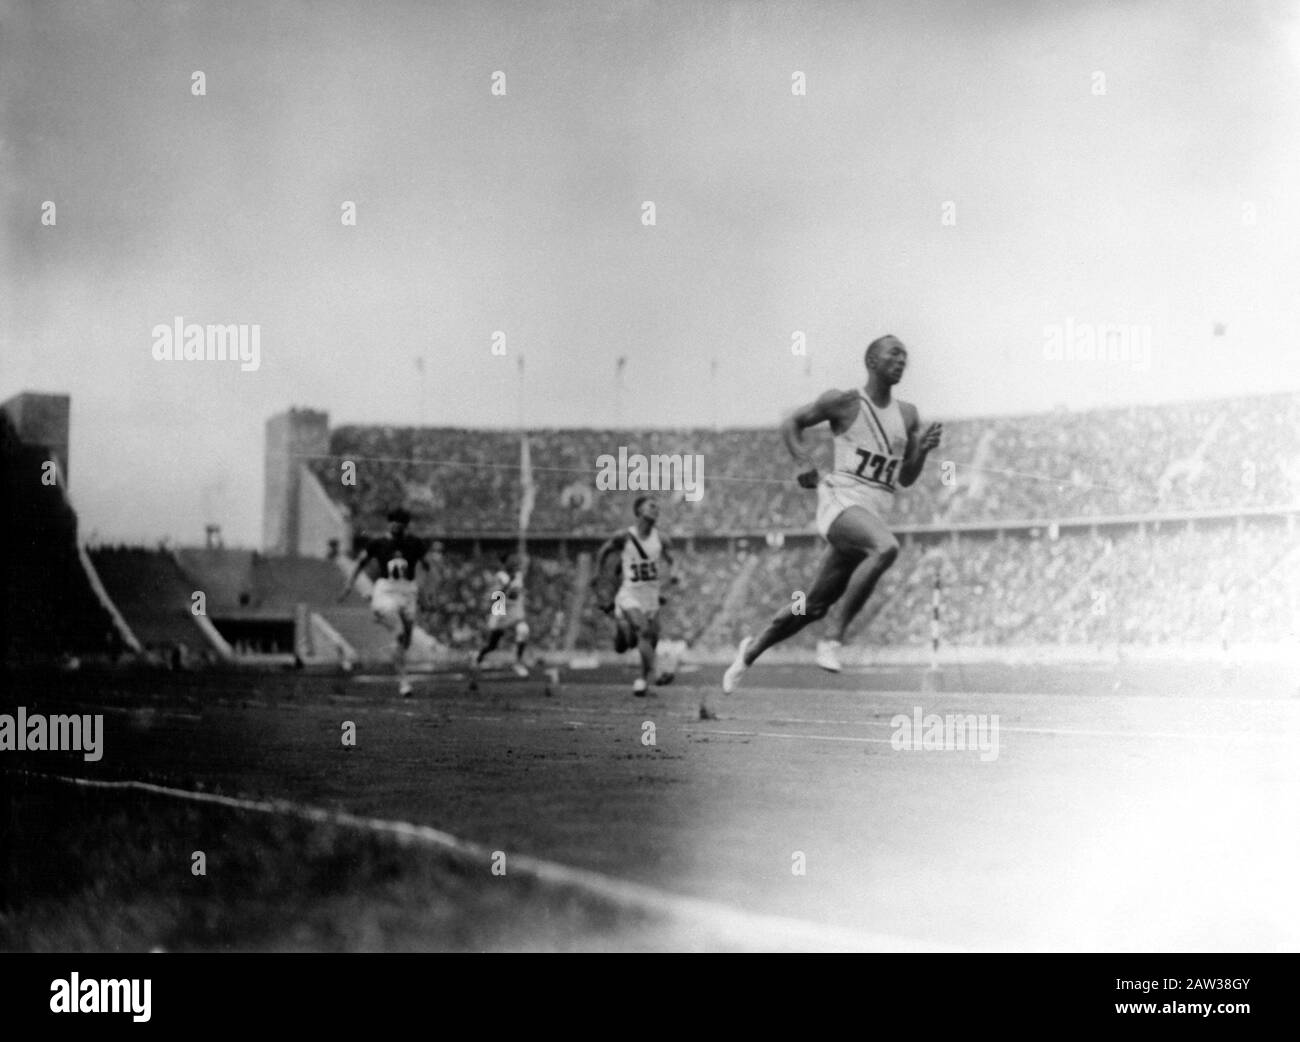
(892, 360)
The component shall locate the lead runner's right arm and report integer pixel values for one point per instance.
(823, 410)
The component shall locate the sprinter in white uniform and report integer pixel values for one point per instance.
(507, 612)
(879, 445)
(645, 564)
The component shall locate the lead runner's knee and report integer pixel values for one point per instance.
(859, 532)
(849, 542)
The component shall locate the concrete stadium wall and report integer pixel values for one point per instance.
(42, 419)
(290, 436)
(319, 519)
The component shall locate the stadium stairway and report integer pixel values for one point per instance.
(341, 631)
(225, 576)
(152, 593)
(365, 638)
(282, 582)
(1282, 575)
(974, 482)
(129, 640)
(245, 584)
(1189, 468)
(1073, 598)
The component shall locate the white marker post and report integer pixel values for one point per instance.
(930, 679)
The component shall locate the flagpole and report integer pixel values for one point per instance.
(424, 397)
(525, 479)
(713, 389)
(519, 394)
(619, 365)
(525, 471)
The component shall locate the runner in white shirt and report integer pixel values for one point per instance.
(879, 445)
(507, 613)
(645, 566)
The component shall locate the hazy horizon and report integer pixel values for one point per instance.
(955, 174)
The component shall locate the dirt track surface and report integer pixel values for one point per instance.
(1120, 820)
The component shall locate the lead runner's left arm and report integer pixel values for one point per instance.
(918, 445)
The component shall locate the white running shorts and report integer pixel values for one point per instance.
(836, 494)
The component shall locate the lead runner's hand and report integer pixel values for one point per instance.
(806, 475)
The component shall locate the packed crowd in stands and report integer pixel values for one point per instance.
(1215, 581)
(1230, 581)
(1188, 456)
(1233, 580)
(1210, 583)
(1182, 457)
(1218, 581)
(459, 595)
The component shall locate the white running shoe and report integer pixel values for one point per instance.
(521, 670)
(404, 689)
(639, 687)
(828, 655)
(731, 678)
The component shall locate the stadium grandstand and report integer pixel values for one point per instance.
(1120, 531)
(1123, 528)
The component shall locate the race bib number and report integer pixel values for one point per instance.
(877, 468)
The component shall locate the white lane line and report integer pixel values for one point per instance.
(774, 734)
(141, 712)
(612, 719)
(1015, 729)
(732, 925)
(1040, 697)
(1064, 732)
(1191, 736)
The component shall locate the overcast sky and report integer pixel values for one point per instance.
(1133, 163)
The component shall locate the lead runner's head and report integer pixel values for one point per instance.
(886, 359)
(398, 519)
(646, 508)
